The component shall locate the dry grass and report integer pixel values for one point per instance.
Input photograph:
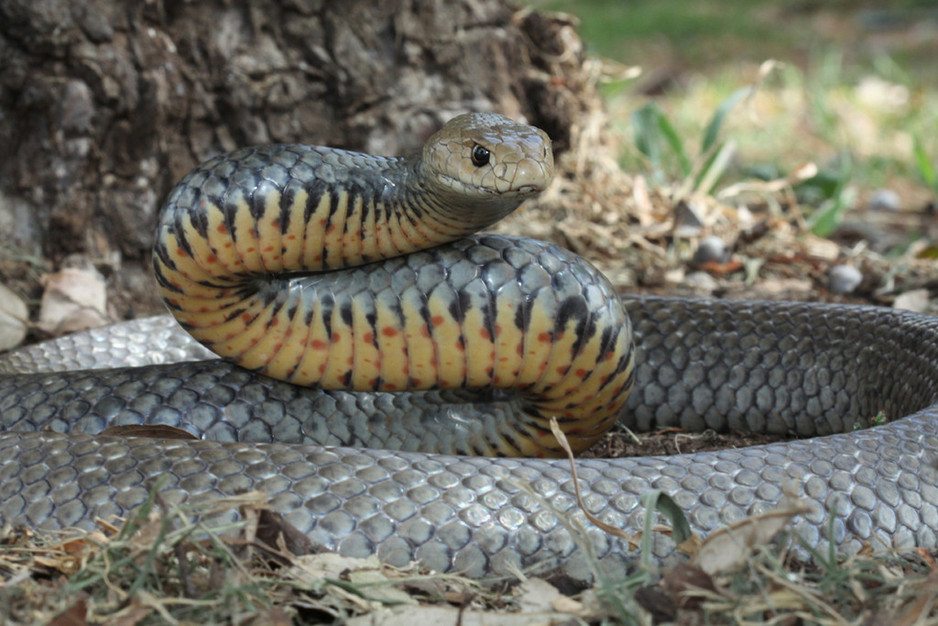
(165, 568)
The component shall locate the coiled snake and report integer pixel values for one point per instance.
(270, 257)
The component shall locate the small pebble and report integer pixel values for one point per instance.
(688, 219)
(885, 200)
(844, 279)
(701, 281)
(711, 249)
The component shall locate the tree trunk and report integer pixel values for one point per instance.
(105, 105)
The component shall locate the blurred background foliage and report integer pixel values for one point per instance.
(847, 111)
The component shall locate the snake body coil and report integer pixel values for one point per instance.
(309, 265)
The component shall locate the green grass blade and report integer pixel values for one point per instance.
(712, 132)
(924, 165)
(673, 139)
(653, 130)
(715, 167)
(825, 219)
(647, 139)
(656, 501)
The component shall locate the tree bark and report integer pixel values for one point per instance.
(105, 105)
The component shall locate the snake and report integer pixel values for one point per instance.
(343, 341)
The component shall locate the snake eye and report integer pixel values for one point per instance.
(480, 156)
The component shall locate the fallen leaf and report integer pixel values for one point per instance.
(75, 615)
(684, 582)
(13, 319)
(73, 299)
(915, 300)
(536, 595)
(726, 549)
(275, 531)
(157, 431)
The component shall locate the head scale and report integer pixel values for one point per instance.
(486, 160)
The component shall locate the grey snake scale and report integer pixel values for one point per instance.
(356, 470)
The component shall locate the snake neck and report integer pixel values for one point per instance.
(296, 209)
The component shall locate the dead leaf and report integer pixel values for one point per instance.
(73, 299)
(13, 319)
(75, 615)
(661, 605)
(915, 300)
(726, 549)
(276, 616)
(136, 612)
(157, 431)
(536, 595)
(684, 582)
(275, 531)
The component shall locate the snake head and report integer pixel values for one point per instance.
(486, 160)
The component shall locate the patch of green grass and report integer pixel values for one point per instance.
(631, 31)
(857, 101)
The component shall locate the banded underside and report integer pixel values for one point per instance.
(271, 265)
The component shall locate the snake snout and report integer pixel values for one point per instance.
(531, 176)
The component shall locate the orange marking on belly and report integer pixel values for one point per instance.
(581, 373)
(251, 249)
(544, 337)
(336, 337)
(246, 318)
(318, 344)
(485, 334)
(425, 331)
(181, 252)
(368, 338)
(275, 321)
(437, 320)
(275, 223)
(322, 368)
(561, 369)
(389, 331)
(268, 249)
(221, 228)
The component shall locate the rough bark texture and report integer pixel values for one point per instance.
(105, 105)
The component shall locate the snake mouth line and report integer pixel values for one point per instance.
(522, 190)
